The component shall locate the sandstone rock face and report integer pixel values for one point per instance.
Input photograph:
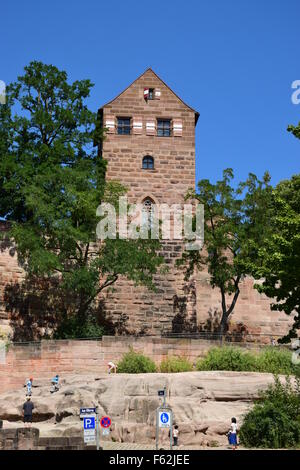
(203, 404)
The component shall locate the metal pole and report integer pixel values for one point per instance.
(156, 432)
(97, 431)
(171, 429)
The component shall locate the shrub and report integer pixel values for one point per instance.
(227, 358)
(274, 422)
(71, 328)
(272, 360)
(176, 364)
(276, 361)
(135, 363)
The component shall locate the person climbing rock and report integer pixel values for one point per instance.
(54, 384)
(112, 367)
(28, 384)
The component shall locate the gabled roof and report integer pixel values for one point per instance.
(150, 69)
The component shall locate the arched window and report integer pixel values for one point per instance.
(148, 163)
(148, 212)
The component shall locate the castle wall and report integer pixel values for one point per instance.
(42, 360)
(252, 313)
(10, 273)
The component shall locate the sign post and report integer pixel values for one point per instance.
(105, 423)
(90, 425)
(164, 418)
(97, 432)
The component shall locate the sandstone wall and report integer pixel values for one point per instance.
(177, 305)
(252, 314)
(168, 182)
(10, 273)
(44, 359)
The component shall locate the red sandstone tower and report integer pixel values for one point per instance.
(150, 148)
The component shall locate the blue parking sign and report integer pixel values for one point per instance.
(89, 422)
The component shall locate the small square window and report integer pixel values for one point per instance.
(124, 126)
(163, 127)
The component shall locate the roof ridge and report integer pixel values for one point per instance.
(197, 114)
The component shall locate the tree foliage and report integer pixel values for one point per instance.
(52, 179)
(235, 223)
(279, 257)
(274, 422)
(295, 130)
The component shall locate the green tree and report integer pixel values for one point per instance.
(279, 257)
(295, 130)
(274, 422)
(51, 182)
(235, 221)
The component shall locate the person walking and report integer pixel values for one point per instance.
(175, 435)
(232, 435)
(27, 412)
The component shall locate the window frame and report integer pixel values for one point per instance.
(123, 126)
(150, 159)
(163, 129)
(151, 93)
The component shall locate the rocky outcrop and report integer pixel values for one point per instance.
(203, 404)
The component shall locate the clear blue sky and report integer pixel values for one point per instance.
(232, 60)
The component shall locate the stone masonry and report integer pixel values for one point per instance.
(177, 305)
(168, 182)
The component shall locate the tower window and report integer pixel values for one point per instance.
(124, 127)
(163, 127)
(151, 94)
(148, 163)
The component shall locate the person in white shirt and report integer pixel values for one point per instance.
(232, 437)
(175, 435)
(112, 367)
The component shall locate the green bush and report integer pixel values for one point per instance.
(135, 363)
(71, 328)
(271, 359)
(276, 361)
(274, 422)
(176, 364)
(227, 358)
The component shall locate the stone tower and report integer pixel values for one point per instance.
(150, 148)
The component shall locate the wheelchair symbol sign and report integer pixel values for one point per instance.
(164, 419)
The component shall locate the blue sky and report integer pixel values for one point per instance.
(232, 60)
